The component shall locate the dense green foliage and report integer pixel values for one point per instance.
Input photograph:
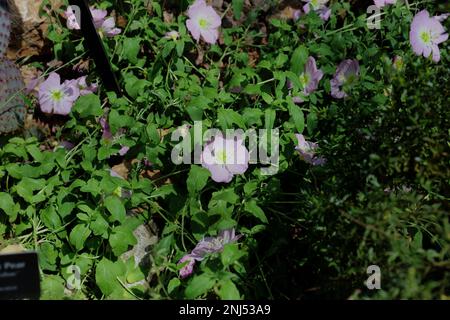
(309, 231)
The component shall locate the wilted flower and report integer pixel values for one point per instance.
(107, 135)
(207, 246)
(106, 130)
(124, 150)
(382, 3)
(319, 6)
(66, 145)
(425, 35)
(442, 17)
(297, 14)
(307, 151)
(55, 97)
(203, 21)
(174, 35)
(346, 74)
(82, 86)
(224, 158)
(309, 78)
(72, 22)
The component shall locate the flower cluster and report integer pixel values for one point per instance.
(58, 98)
(106, 26)
(318, 6)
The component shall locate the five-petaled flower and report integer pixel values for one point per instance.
(57, 98)
(203, 21)
(307, 151)
(309, 78)
(319, 6)
(346, 74)
(425, 35)
(206, 246)
(225, 158)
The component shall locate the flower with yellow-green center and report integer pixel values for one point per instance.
(203, 22)
(225, 158)
(425, 35)
(57, 98)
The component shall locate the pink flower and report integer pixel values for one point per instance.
(225, 158)
(425, 35)
(203, 21)
(105, 26)
(188, 269)
(319, 6)
(72, 22)
(207, 246)
(82, 85)
(57, 98)
(307, 151)
(346, 74)
(309, 78)
(382, 3)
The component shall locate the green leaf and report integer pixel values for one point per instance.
(228, 291)
(88, 105)
(52, 287)
(199, 285)
(228, 117)
(47, 256)
(173, 284)
(254, 209)
(230, 254)
(134, 86)
(270, 116)
(197, 179)
(267, 98)
(120, 239)
(99, 225)
(8, 206)
(115, 206)
(298, 59)
(311, 122)
(252, 89)
(79, 235)
(50, 218)
(298, 117)
(131, 47)
(238, 6)
(106, 275)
